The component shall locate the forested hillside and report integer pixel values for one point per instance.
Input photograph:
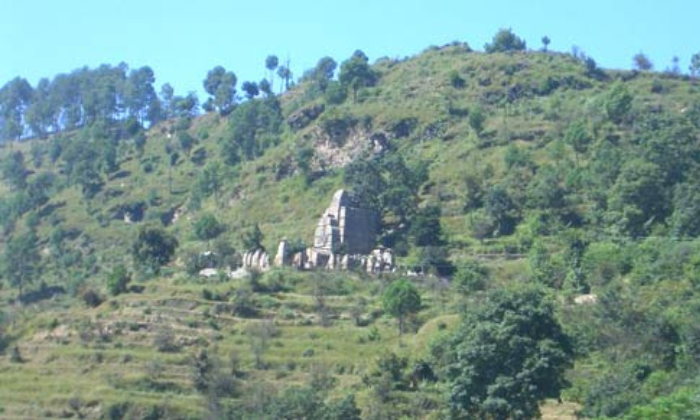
(543, 211)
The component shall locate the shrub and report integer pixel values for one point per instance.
(456, 80)
(15, 355)
(471, 277)
(477, 119)
(91, 298)
(118, 280)
(164, 341)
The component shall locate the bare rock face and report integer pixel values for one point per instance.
(336, 151)
(343, 240)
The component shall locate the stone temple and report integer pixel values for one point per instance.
(344, 238)
(344, 228)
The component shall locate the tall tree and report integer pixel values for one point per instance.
(265, 87)
(20, 261)
(325, 68)
(167, 96)
(356, 73)
(99, 92)
(321, 75)
(401, 299)
(65, 90)
(271, 63)
(509, 354)
(642, 62)
(185, 106)
(221, 85)
(153, 247)
(254, 127)
(42, 114)
(694, 67)
(207, 227)
(251, 89)
(15, 98)
(284, 73)
(545, 43)
(139, 94)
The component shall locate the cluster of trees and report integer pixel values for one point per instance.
(640, 333)
(83, 97)
(630, 185)
(253, 127)
(354, 74)
(505, 40)
(508, 354)
(112, 94)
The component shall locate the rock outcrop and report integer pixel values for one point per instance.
(343, 240)
(336, 151)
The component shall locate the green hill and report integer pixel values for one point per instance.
(489, 170)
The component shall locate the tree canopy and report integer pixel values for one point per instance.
(20, 261)
(505, 41)
(401, 299)
(221, 85)
(356, 73)
(509, 354)
(153, 247)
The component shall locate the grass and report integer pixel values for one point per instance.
(113, 369)
(270, 191)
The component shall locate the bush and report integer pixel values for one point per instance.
(91, 298)
(471, 277)
(335, 93)
(117, 411)
(164, 341)
(477, 119)
(456, 80)
(118, 280)
(15, 355)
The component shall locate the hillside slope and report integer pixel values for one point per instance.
(488, 171)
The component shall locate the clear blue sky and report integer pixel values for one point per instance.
(182, 40)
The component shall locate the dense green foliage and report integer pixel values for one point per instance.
(153, 247)
(508, 354)
(400, 300)
(485, 170)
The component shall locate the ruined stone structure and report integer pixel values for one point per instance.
(258, 260)
(343, 229)
(344, 239)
